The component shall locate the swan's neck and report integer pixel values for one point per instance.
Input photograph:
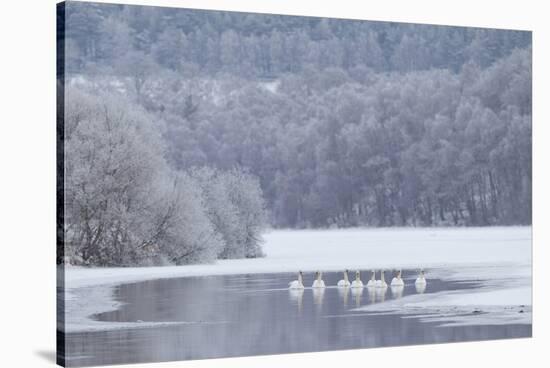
(300, 278)
(319, 276)
(346, 276)
(382, 276)
(373, 277)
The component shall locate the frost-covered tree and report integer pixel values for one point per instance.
(265, 45)
(236, 208)
(221, 211)
(123, 206)
(343, 123)
(185, 232)
(137, 67)
(246, 195)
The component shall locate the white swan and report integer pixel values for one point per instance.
(397, 280)
(357, 283)
(421, 279)
(372, 281)
(318, 282)
(382, 282)
(345, 282)
(297, 284)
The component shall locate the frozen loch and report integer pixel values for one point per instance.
(478, 287)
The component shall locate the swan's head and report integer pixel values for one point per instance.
(357, 275)
(421, 272)
(398, 274)
(373, 275)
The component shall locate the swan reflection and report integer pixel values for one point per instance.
(318, 295)
(420, 288)
(356, 293)
(296, 296)
(381, 294)
(372, 294)
(397, 291)
(343, 292)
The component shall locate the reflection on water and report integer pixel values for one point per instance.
(318, 295)
(344, 294)
(372, 294)
(420, 288)
(296, 297)
(257, 314)
(380, 294)
(356, 293)
(397, 291)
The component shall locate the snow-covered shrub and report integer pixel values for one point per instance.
(123, 206)
(236, 208)
(246, 195)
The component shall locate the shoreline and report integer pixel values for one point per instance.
(444, 255)
(82, 302)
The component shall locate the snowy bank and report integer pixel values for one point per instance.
(500, 257)
(332, 250)
(504, 297)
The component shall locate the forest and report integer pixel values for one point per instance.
(315, 122)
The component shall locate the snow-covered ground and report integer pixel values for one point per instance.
(504, 297)
(499, 257)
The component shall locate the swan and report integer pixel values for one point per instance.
(421, 280)
(381, 283)
(297, 284)
(397, 280)
(345, 282)
(318, 283)
(357, 283)
(372, 281)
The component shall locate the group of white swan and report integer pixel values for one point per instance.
(397, 281)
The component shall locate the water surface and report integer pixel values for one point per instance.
(241, 315)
